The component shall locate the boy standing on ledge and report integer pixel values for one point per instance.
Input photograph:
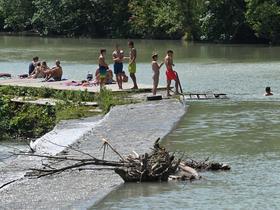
(170, 73)
(103, 66)
(118, 65)
(156, 67)
(132, 63)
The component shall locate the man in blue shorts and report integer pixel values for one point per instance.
(103, 66)
(118, 57)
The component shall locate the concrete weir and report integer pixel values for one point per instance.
(128, 128)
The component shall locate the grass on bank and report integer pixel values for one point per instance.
(65, 95)
(31, 121)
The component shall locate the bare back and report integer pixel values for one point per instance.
(101, 61)
(168, 62)
(155, 67)
(133, 55)
(57, 72)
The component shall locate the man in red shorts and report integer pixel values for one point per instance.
(170, 73)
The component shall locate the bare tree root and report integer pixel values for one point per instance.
(158, 165)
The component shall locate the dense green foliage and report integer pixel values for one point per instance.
(264, 18)
(209, 20)
(26, 120)
(74, 96)
(156, 19)
(222, 19)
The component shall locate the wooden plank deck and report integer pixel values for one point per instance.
(205, 96)
(62, 85)
(47, 101)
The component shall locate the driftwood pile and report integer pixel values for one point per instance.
(159, 165)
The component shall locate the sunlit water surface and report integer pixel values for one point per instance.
(242, 131)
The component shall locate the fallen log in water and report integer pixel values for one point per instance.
(206, 165)
(159, 165)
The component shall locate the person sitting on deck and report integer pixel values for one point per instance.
(44, 67)
(39, 71)
(124, 77)
(32, 65)
(108, 77)
(268, 91)
(55, 73)
(33, 75)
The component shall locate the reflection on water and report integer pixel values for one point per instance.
(238, 128)
(144, 193)
(243, 134)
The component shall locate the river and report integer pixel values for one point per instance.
(242, 131)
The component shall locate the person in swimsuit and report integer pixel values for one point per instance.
(108, 79)
(32, 65)
(55, 73)
(118, 57)
(102, 67)
(132, 63)
(44, 66)
(170, 73)
(40, 70)
(124, 77)
(268, 92)
(156, 67)
(37, 72)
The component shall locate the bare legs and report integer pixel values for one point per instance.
(155, 85)
(119, 80)
(133, 77)
(176, 87)
(168, 87)
(102, 83)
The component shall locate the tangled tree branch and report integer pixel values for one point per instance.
(159, 165)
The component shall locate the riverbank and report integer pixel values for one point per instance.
(31, 112)
(129, 127)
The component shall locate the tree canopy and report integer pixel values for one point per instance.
(207, 20)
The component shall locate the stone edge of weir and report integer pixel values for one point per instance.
(128, 128)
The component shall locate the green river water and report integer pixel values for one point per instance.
(242, 131)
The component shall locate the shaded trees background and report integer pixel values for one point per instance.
(240, 21)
